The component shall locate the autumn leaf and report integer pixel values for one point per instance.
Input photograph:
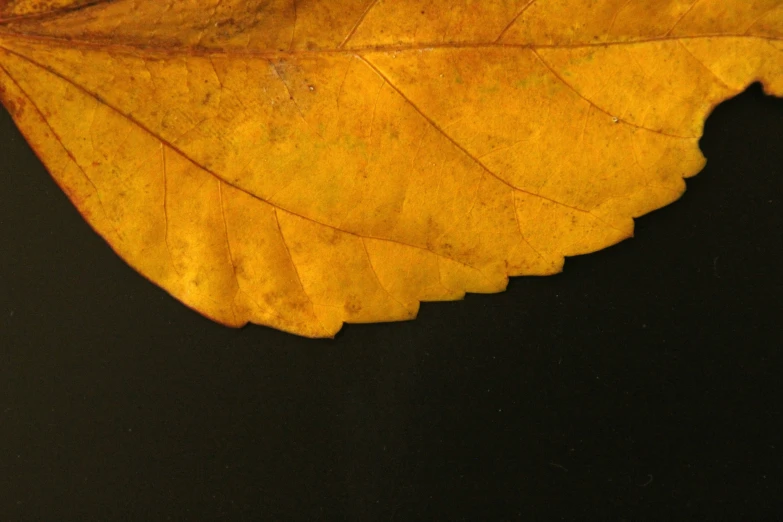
(305, 163)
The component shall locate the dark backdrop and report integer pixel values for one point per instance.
(642, 383)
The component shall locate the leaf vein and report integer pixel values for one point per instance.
(704, 66)
(357, 24)
(377, 278)
(513, 21)
(519, 225)
(592, 103)
(67, 151)
(134, 49)
(681, 18)
(460, 147)
(228, 247)
(296, 270)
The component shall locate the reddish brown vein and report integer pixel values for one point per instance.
(513, 21)
(134, 49)
(359, 22)
(56, 13)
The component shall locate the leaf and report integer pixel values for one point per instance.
(304, 163)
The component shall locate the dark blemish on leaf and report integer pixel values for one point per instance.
(333, 237)
(352, 304)
(278, 134)
(12, 107)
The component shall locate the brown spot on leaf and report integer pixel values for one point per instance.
(353, 305)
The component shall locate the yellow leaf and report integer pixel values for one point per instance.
(305, 163)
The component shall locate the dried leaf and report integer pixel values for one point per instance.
(304, 163)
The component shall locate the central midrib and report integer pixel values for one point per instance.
(176, 50)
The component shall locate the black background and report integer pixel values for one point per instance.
(642, 383)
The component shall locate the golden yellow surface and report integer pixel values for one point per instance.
(305, 163)
(10, 9)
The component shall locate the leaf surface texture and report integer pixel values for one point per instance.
(305, 163)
